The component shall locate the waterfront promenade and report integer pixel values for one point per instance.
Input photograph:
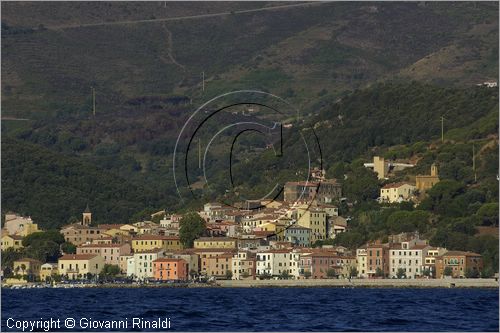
(367, 283)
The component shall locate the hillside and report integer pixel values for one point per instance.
(53, 55)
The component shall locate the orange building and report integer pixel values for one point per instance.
(170, 269)
(459, 263)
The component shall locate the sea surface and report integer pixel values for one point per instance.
(261, 309)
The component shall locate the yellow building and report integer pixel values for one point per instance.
(314, 219)
(77, 266)
(27, 266)
(397, 192)
(149, 242)
(426, 182)
(12, 242)
(277, 228)
(215, 243)
(47, 270)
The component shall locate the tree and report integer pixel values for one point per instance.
(229, 275)
(307, 274)
(471, 273)
(489, 213)
(331, 273)
(426, 272)
(23, 268)
(486, 273)
(401, 273)
(109, 271)
(379, 272)
(353, 272)
(192, 226)
(68, 248)
(245, 274)
(285, 275)
(265, 276)
(448, 271)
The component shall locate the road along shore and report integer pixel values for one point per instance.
(364, 283)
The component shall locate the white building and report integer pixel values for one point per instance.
(361, 256)
(408, 256)
(140, 265)
(275, 262)
(397, 192)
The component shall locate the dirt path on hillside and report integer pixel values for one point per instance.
(189, 17)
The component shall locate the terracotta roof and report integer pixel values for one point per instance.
(77, 256)
(15, 237)
(461, 253)
(28, 259)
(99, 245)
(214, 239)
(155, 250)
(396, 185)
(155, 237)
(168, 260)
(111, 226)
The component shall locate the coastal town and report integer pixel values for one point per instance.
(254, 240)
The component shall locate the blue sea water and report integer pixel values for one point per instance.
(264, 309)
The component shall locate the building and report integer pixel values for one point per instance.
(80, 266)
(110, 252)
(87, 216)
(407, 257)
(140, 265)
(298, 235)
(12, 242)
(27, 266)
(426, 182)
(47, 271)
(277, 263)
(459, 263)
(244, 265)
(150, 242)
(377, 260)
(429, 264)
(189, 256)
(170, 269)
(79, 234)
(216, 263)
(19, 225)
(383, 168)
(321, 192)
(397, 192)
(314, 219)
(361, 260)
(336, 225)
(215, 243)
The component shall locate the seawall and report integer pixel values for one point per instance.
(367, 283)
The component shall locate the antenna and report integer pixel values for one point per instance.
(93, 101)
(474, 162)
(203, 81)
(199, 153)
(442, 129)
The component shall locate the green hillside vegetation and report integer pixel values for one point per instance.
(54, 189)
(329, 47)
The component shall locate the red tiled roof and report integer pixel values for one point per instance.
(77, 256)
(396, 185)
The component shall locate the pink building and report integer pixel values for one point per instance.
(110, 252)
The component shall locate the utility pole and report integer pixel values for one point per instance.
(442, 129)
(93, 101)
(203, 81)
(474, 162)
(199, 153)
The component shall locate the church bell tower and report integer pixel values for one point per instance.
(87, 216)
